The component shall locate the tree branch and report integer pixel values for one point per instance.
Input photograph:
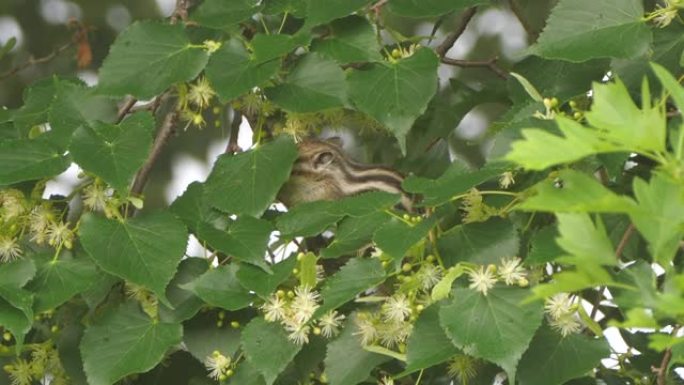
(451, 38)
(180, 11)
(232, 146)
(163, 135)
(125, 109)
(33, 61)
(490, 64)
(661, 372)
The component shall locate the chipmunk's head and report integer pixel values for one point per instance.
(323, 171)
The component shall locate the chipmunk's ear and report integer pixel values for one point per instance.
(336, 140)
(322, 159)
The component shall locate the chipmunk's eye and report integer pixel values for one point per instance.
(323, 159)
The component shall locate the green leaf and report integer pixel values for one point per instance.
(269, 47)
(144, 250)
(482, 242)
(221, 14)
(193, 209)
(202, 337)
(247, 374)
(263, 284)
(346, 362)
(428, 345)
(352, 40)
(147, 58)
(583, 239)
(396, 237)
(267, 348)
(443, 288)
(353, 233)
(456, 180)
(247, 183)
(220, 287)
(125, 341)
(573, 191)
(616, 115)
(353, 278)
(556, 78)
(321, 12)
(430, 8)
(541, 149)
(16, 314)
(308, 219)
(185, 303)
(232, 71)
(114, 152)
(56, 281)
(314, 84)
(311, 218)
(396, 93)
(307, 269)
(245, 239)
(543, 247)
(641, 280)
(495, 327)
(24, 159)
(579, 30)
(659, 215)
(553, 359)
(670, 84)
(75, 105)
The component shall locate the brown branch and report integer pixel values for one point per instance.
(180, 11)
(163, 135)
(33, 61)
(490, 64)
(618, 254)
(232, 146)
(451, 38)
(661, 372)
(125, 109)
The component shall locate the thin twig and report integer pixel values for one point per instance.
(661, 372)
(378, 6)
(33, 61)
(180, 11)
(232, 146)
(618, 254)
(165, 132)
(490, 64)
(125, 109)
(451, 38)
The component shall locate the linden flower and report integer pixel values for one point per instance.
(511, 271)
(482, 280)
(566, 324)
(9, 249)
(396, 308)
(365, 329)
(506, 180)
(386, 381)
(217, 364)
(462, 367)
(559, 305)
(330, 323)
(58, 233)
(274, 308)
(392, 334)
(304, 303)
(95, 197)
(429, 275)
(299, 334)
(201, 93)
(12, 203)
(20, 372)
(39, 220)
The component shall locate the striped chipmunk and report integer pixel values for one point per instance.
(323, 171)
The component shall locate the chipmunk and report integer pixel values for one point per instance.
(323, 171)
